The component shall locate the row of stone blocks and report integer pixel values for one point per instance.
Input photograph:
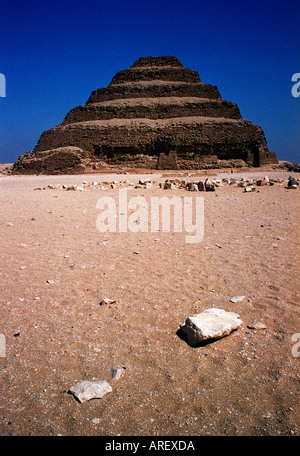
(154, 109)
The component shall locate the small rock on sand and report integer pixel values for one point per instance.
(85, 390)
(210, 324)
(117, 372)
(257, 325)
(237, 299)
(107, 301)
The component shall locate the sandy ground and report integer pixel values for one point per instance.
(56, 267)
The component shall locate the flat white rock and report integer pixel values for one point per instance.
(85, 390)
(107, 301)
(237, 299)
(257, 325)
(212, 323)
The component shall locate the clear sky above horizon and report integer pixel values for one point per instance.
(55, 53)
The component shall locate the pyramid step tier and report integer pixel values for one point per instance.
(163, 61)
(156, 73)
(154, 89)
(191, 137)
(153, 108)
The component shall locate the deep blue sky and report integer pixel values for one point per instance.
(55, 53)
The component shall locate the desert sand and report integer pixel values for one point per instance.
(56, 268)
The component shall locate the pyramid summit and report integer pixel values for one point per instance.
(156, 114)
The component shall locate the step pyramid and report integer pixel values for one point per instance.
(155, 114)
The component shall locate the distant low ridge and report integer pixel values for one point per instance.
(157, 114)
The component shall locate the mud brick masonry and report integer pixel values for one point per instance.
(157, 114)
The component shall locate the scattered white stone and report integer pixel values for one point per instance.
(237, 299)
(96, 420)
(117, 372)
(85, 390)
(107, 301)
(212, 323)
(257, 325)
(50, 281)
